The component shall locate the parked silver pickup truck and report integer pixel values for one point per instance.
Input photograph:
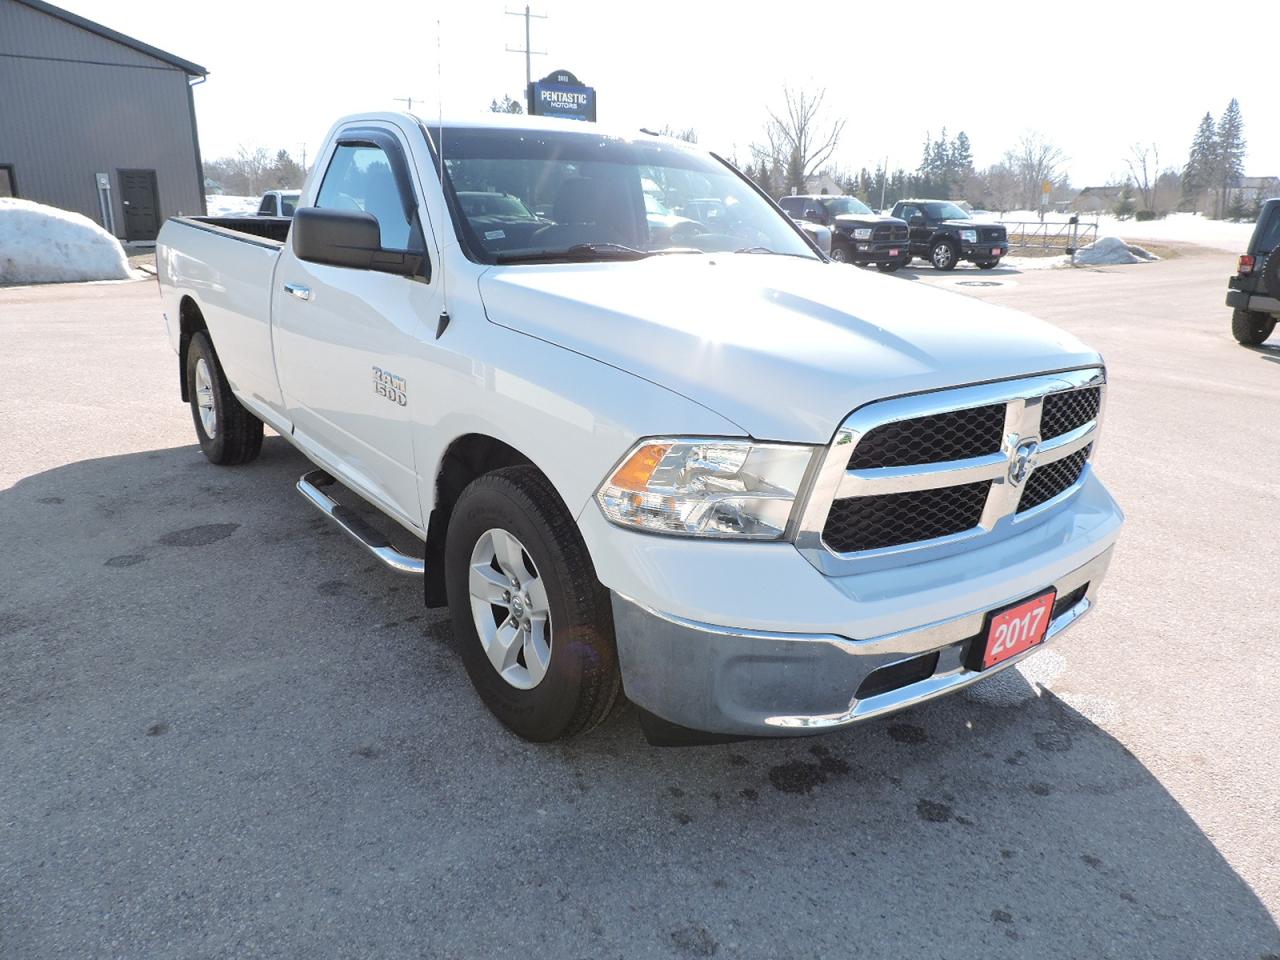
(757, 492)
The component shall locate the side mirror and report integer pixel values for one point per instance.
(347, 238)
(917, 220)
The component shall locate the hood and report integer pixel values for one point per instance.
(784, 347)
(971, 224)
(866, 219)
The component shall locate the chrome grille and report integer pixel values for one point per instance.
(954, 435)
(1064, 412)
(924, 474)
(992, 233)
(872, 523)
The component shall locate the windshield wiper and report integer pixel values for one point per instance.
(577, 252)
(754, 250)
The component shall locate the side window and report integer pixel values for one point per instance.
(1268, 235)
(908, 211)
(7, 186)
(360, 178)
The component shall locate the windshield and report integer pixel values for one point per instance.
(945, 211)
(493, 205)
(588, 196)
(839, 205)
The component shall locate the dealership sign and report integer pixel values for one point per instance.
(561, 94)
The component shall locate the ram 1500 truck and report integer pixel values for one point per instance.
(757, 492)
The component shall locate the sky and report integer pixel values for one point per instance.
(1093, 77)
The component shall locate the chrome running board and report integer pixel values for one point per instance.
(362, 532)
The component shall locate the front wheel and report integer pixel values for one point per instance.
(891, 267)
(987, 264)
(839, 254)
(533, 625)
(943, 255)
(228, 433)
(1250, 327)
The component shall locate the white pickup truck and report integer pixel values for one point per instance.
(757, 492)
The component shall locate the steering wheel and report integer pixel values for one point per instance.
(686, 230)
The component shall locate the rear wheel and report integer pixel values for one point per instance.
(534, 626)
(228, 433)
(891, 267)
(1250, 327)
(943, 255)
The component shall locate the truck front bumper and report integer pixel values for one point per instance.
(753, 641)
(992, 250)
(867, 251)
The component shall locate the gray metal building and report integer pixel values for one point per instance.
(96, 122)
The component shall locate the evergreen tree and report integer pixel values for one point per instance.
(1125, 206)
(1230, 153)
(506, 105)
(961, 155)
(795, 173)
(1198, 174)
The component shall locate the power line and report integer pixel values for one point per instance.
(527, 49)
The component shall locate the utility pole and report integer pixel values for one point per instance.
(407, 101)
(527, 50)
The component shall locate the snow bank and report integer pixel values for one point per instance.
(40, 244)
(1178, 227)
(225, 205)
(1112, 250)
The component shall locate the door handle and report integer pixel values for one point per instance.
(298, 290)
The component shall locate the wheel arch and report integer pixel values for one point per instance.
(190, 322)
(468, 456)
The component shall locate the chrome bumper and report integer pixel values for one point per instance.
(753, 683)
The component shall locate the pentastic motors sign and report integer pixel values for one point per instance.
(561, 94)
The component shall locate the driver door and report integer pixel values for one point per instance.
(349, 341)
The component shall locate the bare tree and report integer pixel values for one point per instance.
(1144, 165)
(687, 134)
(799, 139)
(1034, 160)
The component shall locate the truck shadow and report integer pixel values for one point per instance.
(221, 706)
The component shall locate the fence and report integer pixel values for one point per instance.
(1050, 234)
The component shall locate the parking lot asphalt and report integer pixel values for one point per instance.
(224, 732)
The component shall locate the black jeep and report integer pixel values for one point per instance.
(944, 234)
(857, 235)
(1254, 292)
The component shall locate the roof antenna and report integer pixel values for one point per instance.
(442, 324)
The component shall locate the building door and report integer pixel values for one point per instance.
(141, 204)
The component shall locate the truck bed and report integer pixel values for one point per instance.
(272, 230)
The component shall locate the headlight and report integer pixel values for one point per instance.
(968, 236)
(862, 233)
(706, 488)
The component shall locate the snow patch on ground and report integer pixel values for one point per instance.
(41, 244)
(226, 205)
(1112, 250)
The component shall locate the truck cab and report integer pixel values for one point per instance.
(944, 233)
(278, 203)
(857, 234)
(1254, 292)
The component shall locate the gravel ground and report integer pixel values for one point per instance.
(225, 733)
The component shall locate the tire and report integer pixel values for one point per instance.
(987, 264)
(891, 267)
(943, 255)
(564, 680)
(840, 254)
(1271, 274)
(228, 433)
(1250, 327)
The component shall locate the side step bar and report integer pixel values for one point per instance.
(363, 533)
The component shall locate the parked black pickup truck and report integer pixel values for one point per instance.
(1254, 292)
(857, 235)
(944, 234)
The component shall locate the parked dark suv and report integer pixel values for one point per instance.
(1254, 292)
(857, 234)
(944, 234)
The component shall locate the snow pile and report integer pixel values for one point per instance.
(40, 244)
(1112, 250)
(225, 205)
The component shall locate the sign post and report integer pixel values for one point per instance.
(561, 94)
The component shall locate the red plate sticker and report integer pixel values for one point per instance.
(1017, 629)
(995, 251)
(893, 253)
